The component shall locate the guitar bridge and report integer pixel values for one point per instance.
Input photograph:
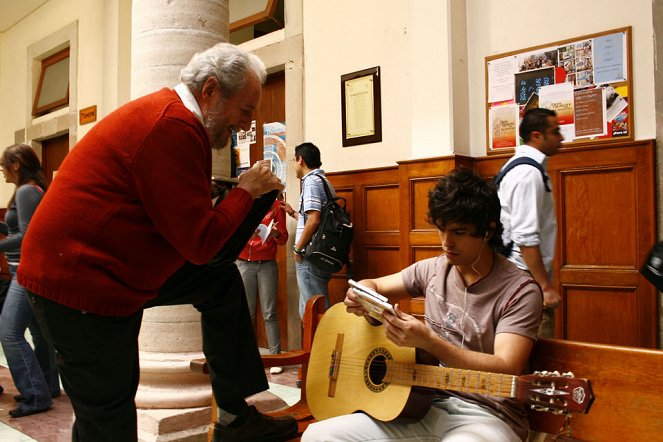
(334, 366)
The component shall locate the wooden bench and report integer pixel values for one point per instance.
(626, 381)
(627, 384)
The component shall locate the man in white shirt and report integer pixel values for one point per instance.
(528, 208)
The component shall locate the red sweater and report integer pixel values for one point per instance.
(129, 205)
(255, 249)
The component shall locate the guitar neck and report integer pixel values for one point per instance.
(455, 379)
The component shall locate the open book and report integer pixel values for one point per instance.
(263, 231)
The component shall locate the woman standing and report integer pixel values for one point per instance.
(34, 372)
(260, 273)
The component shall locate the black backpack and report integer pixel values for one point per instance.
(506, 248)
(329, 248)
(653, 267)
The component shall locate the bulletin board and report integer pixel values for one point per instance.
(586, 80)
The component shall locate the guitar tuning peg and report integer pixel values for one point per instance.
(537, 372)
(555, 373)
(568, 374)
(544, 373)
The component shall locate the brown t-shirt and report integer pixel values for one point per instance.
(507, 300)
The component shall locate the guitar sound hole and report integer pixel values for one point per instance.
(377, 370)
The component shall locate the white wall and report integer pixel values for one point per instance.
(410, 41)
(497, 26)
(103, 64)
(346, 36)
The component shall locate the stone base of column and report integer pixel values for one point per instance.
(174, 425)
(191, 424)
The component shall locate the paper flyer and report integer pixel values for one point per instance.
(590, 113)
(614, 103)
(559, 98)
(529, 82)
(504, 126)
(242, 151)
(274, 148)
(501, 79)
(263, 231)
(609, 58)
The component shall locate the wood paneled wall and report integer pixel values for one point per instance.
(605, 208)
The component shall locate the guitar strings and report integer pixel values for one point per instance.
(458, 379)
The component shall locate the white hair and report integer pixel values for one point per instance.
(229, 64)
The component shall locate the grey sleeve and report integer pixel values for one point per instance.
(28, 198)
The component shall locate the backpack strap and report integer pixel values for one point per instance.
(517, 162)
(330, 197)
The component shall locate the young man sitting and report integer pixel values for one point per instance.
(482, 313)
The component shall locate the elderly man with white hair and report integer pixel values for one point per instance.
(129, 224)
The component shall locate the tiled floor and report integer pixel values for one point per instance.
(55, 425)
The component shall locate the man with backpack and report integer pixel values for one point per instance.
(528, 207)
(311, 279)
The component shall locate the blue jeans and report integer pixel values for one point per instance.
(262, 279)
(311, 281)
(35, 371)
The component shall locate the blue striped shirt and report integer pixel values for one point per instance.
(313, 197)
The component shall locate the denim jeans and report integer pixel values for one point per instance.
(311, 281)
(35, 371)
(262, 279)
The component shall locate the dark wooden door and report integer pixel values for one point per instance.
(53, 152)
(606, 225)
(272, 109)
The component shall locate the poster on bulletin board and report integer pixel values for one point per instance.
(585, 80)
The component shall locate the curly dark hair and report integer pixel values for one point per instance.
(463, 196)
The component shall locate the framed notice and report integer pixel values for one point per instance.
(585, 80)
(361, 117)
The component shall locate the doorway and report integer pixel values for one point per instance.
(272, 109)
(53, 152)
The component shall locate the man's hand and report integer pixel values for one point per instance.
(405, 330)
(290, 211)
(551, 297)
(352, 305)
(259, 180)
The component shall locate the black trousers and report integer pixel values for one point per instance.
(98, 355)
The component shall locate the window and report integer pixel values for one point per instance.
(250, 19)
(53, 89)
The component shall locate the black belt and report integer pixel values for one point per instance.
(258, 261)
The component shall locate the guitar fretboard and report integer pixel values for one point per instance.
(470, 381)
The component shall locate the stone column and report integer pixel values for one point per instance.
(165, 34)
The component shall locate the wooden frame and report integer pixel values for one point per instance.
(567, 64)
(46, 63)
(360, 92)
(258, 17)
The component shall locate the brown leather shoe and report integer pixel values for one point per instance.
(258, 428)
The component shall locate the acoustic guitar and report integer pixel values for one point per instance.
(354, 367)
